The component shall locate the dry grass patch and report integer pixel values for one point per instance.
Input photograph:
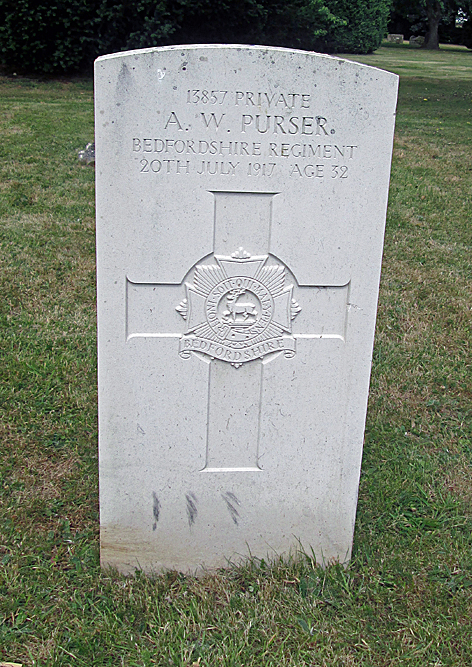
(459, 482)
(43, 478)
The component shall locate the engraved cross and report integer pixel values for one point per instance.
(238, 310)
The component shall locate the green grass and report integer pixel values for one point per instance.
(406, 597)
(449, 61)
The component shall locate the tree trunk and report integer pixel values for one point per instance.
(433, 8)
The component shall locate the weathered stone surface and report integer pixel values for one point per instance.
(241, 199)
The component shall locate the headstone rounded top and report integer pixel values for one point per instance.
(239, 49)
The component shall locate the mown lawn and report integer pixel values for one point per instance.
(406, 597)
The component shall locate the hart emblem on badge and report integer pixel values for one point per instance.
(238, 309)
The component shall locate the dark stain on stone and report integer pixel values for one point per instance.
(231, 501)
(156, 508)
(191, 508)
(124, 82)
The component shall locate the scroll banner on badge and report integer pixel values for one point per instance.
(188, 344)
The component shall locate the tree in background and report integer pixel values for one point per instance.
(434, 18)
(41, 36)
(434, 12)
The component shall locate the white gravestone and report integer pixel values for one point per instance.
(241, 199)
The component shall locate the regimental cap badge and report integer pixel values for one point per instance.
(238, 308)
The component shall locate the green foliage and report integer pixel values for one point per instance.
(45, 37)
(130, 25)
(66, 36)
(467, 34)
(299, 24)
(295, 24)
(365, 25)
